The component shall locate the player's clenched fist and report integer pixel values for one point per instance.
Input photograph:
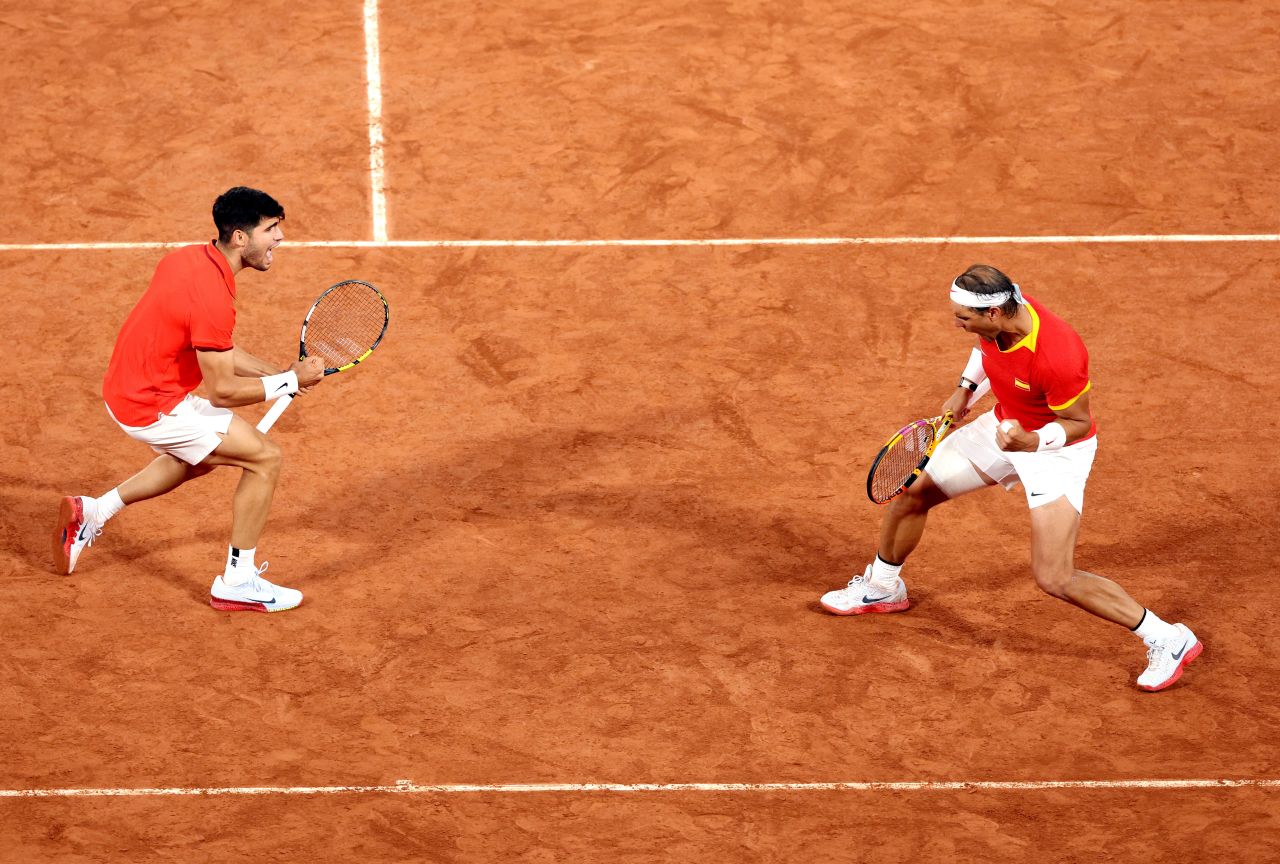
(1011, 436)
(309, 370)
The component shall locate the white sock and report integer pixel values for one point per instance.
(883, 574)
(109, 505)
(240, 566)
(1151, 628)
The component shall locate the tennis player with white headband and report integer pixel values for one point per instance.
(1041, 434)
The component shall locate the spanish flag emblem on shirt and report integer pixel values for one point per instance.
(1019, 383)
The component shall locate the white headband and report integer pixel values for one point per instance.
(984, 301)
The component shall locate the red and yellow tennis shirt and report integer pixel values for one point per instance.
(190, 304)
(1046, 371)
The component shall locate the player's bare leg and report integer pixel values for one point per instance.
(81, 519)
(245, 447)
(905, 517)
(241, 586)
(1054, 527)
(880, 587)
(164, 474)
(1170, 647)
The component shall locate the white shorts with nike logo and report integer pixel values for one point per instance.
(188, 432)
(1045, 476)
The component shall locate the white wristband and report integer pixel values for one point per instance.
(1052, 437)
(275, 386)
(973, 369)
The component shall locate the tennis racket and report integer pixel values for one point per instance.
(904, 456)
(342, 328)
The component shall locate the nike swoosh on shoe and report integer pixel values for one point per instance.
(869, 600)
(1178, 656)
(266, 600)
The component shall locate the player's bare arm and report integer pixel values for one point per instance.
(249, 366)
(227, 389)
(958, 403)
(971, 387)
(1074, 420)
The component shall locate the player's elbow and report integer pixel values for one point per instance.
(223, 396)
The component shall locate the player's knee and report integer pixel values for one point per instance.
(1053, 581)
(920, 497)
(269, 458)
(908, 504)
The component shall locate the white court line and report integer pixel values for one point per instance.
(405, 787)
(377, 163)
(720, 241)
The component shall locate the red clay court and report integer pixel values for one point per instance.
(662, 279)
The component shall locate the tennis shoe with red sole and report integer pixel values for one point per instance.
(860, 597)
(1166, 658)
(255, 595)
(77, 528)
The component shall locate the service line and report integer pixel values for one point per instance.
(406, 787)
(1057, 239)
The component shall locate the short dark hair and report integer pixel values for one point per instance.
(984, 279)
(242, 208)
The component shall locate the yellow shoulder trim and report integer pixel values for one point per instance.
(1028, 341)
(1072, 400)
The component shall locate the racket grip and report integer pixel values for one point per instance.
(269, 419)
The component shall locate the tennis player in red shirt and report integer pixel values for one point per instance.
(179, 336)
(1041, 434)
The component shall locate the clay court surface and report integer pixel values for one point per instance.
(569, 524)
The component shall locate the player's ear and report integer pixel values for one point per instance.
(239, 238)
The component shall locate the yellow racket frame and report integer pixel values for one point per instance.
(941, 425)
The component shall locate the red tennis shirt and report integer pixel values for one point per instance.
(1046, 371)
(190, 304)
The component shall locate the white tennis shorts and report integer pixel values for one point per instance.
(1045, 475)
(189, 432)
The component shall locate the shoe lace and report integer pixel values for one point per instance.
(97, 532)
(257, 582)
(1158, 650)
(858, 583)
(254, 581)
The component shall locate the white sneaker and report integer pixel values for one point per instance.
(1166, 658)
(860, 597)
(77, 527)
(256, 595)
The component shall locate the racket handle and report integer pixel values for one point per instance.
(269, 419)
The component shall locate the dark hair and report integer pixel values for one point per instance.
(983, 279)
(243, 208)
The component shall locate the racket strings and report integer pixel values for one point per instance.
(899, 461)
(346, 323)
